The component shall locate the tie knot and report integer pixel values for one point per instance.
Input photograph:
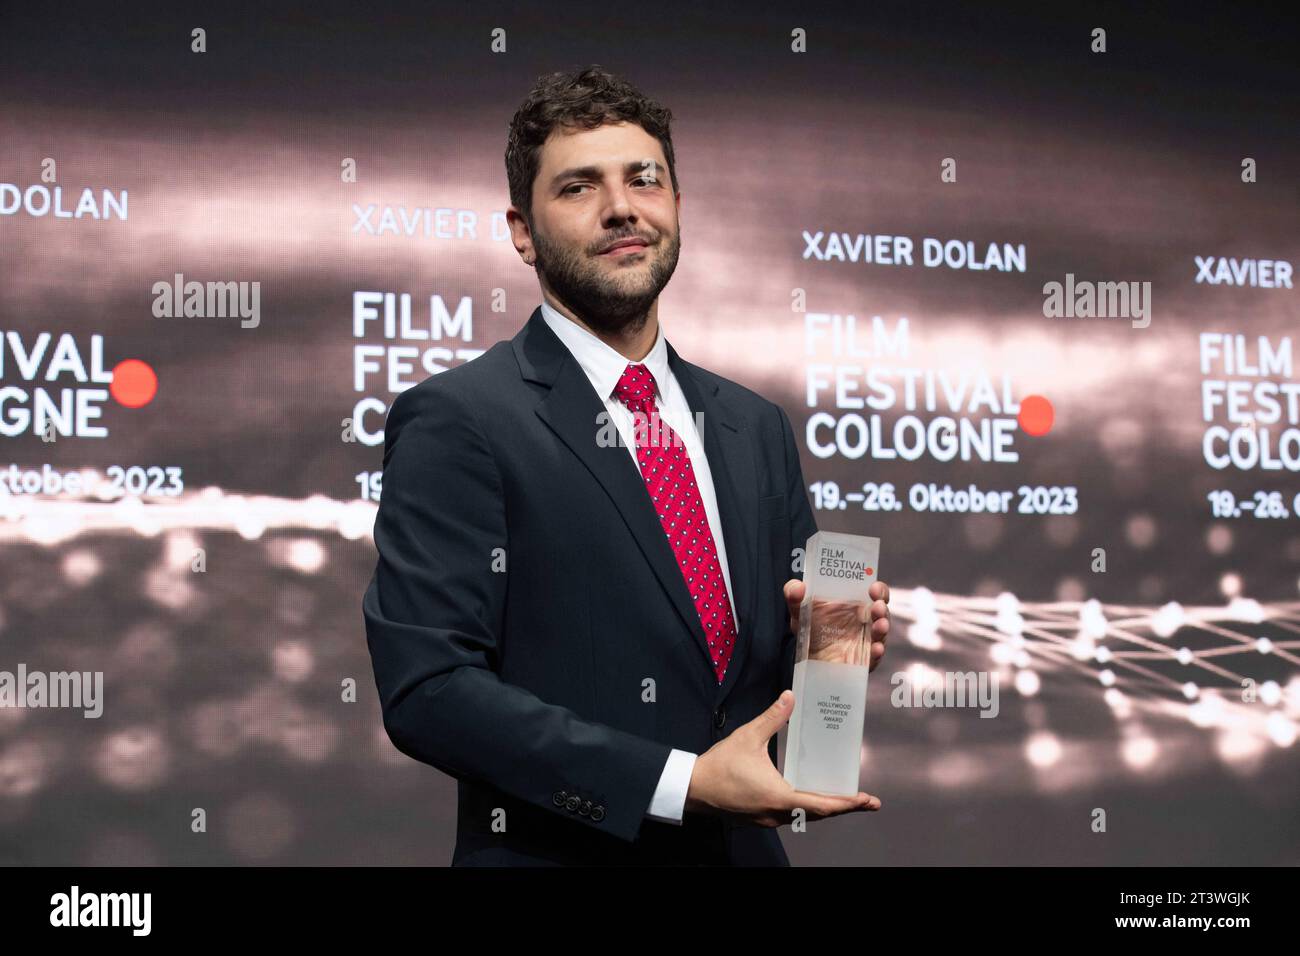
(636, 387)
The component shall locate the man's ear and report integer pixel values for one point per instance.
(521, 234)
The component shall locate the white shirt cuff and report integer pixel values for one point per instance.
(669, 801)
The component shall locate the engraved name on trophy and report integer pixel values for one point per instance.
(823, 748)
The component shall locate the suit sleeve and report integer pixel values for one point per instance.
(803, 525)
(435, 613)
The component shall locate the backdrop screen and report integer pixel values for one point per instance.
(1027, 291)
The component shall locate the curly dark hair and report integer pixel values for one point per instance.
(585, 99)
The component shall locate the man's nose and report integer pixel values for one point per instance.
(619, 205)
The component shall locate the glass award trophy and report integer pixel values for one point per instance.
(823, 747)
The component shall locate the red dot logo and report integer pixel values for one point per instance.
(1036, 415)
(134, 383)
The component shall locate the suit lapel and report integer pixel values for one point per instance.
(573, 411)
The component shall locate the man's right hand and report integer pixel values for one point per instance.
(735, 777)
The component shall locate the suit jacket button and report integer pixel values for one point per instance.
(558, 798)
(585, 809)
(597, 813)
(719, 717)
(572, 803)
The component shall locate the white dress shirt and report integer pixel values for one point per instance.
(604, 367)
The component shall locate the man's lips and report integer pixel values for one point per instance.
(625, 247)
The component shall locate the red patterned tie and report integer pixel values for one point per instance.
(669, 478)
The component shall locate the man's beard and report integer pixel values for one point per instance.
(606, 303)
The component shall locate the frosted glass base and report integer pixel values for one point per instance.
(823, 748)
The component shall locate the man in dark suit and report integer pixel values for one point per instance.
(584, 607)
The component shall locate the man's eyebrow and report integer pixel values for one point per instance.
(593, 172)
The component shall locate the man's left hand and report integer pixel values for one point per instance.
(878, 614)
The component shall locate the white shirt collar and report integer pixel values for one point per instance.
(602, 364)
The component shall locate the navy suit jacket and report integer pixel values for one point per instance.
(530, 629)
